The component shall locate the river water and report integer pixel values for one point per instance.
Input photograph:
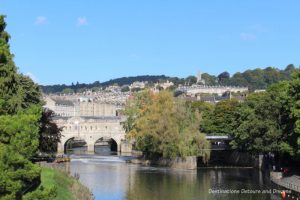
(110, 177)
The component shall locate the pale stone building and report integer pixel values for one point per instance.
(62, 107)
(69, 108)
(97, 109)
(201, 89)
(138, 84)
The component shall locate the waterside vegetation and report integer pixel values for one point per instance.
(162, 125)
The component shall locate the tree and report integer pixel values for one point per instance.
(49, 133)
(223, 77)
(164, 126)
(68, 91)
(10, 99)
(125, 89)
(135, 108)
(223, 119)
(263, 123)
(20, 111)
(294, 105)
(18, 143)
(190, 80)
(209, 79)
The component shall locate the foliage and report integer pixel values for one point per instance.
(119, 81)
(125, 89)
(261, 78)
(67, 91)
(223, 78)
(20, 112)
(164, 126)
(57, 185)
(18, 143)
(10, 99)
(42, 193)
(265, 123)
(135, 108)
(253, 79)
(223, 119)
(190, 80)
(49, 133)
(294, 106)
(209, 79)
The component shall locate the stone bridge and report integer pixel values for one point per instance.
(90, 129)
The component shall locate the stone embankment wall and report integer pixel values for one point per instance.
(189, 162)
(235, 158)
(245, 159)
(126, 147)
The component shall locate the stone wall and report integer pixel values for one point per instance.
(187, 163)
(126, 147)
(235, 158)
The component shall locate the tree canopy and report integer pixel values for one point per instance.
(20, 114)
(164, 126)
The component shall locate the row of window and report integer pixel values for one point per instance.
(87, 128)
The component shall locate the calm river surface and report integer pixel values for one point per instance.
(110, 177)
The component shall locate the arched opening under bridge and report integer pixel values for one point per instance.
(106, 146)
(75, 145)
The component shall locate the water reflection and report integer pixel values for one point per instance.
(169, 184)
(110, 177)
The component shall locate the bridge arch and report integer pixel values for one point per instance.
(72, 142)
(113, 142)
(104, 142)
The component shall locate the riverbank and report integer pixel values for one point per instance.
(67, 186)
(290, 182)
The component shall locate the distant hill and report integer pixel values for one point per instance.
(96, 85)
(129, 80)
(253, 79)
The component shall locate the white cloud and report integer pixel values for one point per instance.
(40, 20)
(81, 21)
(33, 77)
(247, 36)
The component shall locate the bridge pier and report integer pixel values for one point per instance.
(60, 148)
(91, 148)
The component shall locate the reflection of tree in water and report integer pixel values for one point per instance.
(237, 179)
(178, 185)
(175, 185)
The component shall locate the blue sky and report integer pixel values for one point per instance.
(74, 40)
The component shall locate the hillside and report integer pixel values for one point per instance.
(118, 81)
(254, 79)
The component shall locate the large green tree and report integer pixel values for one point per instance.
(20, 112)
(165, 126)
(223, 119)
(264, 124)
(294, 106)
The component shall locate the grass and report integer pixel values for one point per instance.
(62, 182)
